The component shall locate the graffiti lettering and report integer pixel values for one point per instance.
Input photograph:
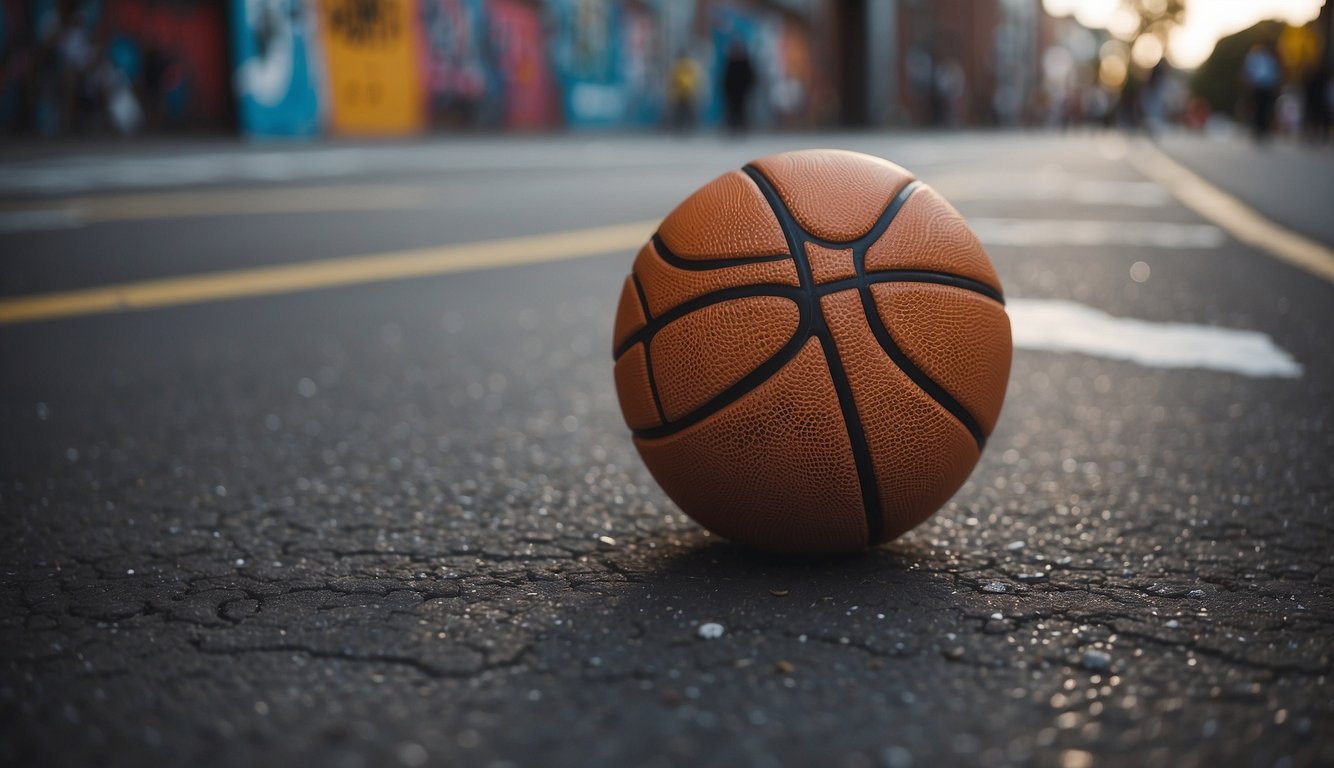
(365, 22)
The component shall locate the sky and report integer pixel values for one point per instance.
(1206, 21)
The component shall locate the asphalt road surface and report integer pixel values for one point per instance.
(367, 521)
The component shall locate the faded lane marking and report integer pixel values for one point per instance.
(31, 219)
(327, 273)
(1239, 219)
(1065, 232)
(1067, 326)
(74, 212)
(1001, 188)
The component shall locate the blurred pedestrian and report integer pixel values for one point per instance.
(1315, 106)
(1261, 72)
(1153, 98)
(738, 82)
(684, 92)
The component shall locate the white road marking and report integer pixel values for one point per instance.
(1067, 326)
(1049, 232)
(1063, 188)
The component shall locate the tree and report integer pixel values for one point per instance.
(1218, 80)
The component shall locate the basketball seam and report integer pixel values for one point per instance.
(650, 329)
(803, 296)
(695, 265)
(859, 247)
(812, 324)
(852, 421)
(921, 378)
(739, 389)
(643, 299)
(648, 357)
(872, 508)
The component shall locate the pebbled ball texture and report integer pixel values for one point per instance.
(811, 352)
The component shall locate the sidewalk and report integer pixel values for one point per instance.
(1291, 183)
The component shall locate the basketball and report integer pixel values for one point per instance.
(811, 352)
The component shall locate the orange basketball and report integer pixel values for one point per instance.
(811, 352)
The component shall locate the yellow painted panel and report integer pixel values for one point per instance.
(371, 50)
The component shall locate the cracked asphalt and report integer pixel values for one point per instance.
(402, 523)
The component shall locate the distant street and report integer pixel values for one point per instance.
(352, 487)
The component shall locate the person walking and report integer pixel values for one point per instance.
(1315, 105)
(738, 81)
(1262, 74)
(684, 92)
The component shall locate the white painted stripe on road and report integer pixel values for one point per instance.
(1065, 232)
(1067, 326)
(1239, 219)
(1001, 188)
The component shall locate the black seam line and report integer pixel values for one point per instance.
(651, 328)
(838, 375)
(656, 324)
(806, 298)
(919, 377)
(886, 340)
(882, 221)
(705, 265)
(741, 388)
(852, 421)
(643, 299)
(653, 383)
(648, 359)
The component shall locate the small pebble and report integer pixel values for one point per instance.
(896, 757)
(955, 653)
(785, 667)
(1097, 661)
(995, 587)
(710, 631)
(778, 592)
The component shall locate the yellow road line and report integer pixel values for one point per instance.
(235, 202)
(326, 273)
(1232, 215)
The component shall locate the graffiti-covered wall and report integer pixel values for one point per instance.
(394, 66)
(300, 68)
(88, 67)
(372, 62)
(276, 82)
(608, 59)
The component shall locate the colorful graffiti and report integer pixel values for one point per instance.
(608, 62)
(521, 58)
(306, 67)
(458, 88)
(177, 52)
(90, 67)
(780, 48)
(639, 67)
(275, 79)
(372, 60)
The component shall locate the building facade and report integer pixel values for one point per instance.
(393, 67)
